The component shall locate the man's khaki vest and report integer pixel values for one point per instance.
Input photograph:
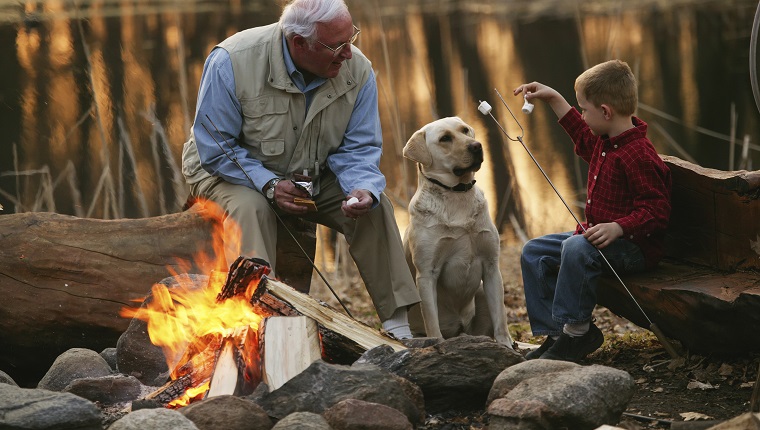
(277, 130)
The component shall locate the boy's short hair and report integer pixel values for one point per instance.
(611, 83)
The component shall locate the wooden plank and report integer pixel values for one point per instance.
(288, 346)
(364, 336)
(225, 377)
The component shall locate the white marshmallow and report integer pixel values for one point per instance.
(527, 107)
(484, 108)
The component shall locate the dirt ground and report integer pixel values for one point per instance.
(691, 388)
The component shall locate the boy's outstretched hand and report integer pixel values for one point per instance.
(537, 90)
(601, 235)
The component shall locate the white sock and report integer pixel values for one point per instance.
(398, 324)
(576, 329)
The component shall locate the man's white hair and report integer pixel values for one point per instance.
(301, 16)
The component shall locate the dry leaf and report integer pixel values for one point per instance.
(658, 390)
(747, 385)
(694, 416)
(725, 370)
(693, 385)
(676, 363)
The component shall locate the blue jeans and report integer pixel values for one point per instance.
(560, 276)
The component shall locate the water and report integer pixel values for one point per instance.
(97, 97)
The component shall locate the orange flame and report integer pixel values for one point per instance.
(189, 395)
(186, 318)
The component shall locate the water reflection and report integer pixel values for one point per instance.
(97, 97)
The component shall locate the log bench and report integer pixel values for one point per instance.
(706, 292)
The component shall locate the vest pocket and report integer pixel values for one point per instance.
(265, 118)
(271, 148)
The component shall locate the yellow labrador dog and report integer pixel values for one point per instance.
(451, 244)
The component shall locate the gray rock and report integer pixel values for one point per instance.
(455, 374)
(234, 413)
(6, 379)
(26, 408)
(510, 377)
(74, 364)
(580, 398)
(108, 390)
(302, 421)
(109, 355)
(322, 385)
(352, 414)
(153, 419)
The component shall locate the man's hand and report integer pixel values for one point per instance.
(284, 193)
(359, 208)
(601, 235)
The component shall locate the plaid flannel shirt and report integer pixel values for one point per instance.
(628, 183)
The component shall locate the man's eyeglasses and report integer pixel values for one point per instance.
(338, 49)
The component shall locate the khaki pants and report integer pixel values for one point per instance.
(373, 239)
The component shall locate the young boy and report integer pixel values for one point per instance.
(627, 211)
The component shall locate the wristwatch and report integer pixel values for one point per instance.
(269, 189)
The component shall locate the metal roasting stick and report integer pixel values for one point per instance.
(485, 109)
(234, 159)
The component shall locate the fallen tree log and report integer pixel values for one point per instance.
(65, 279)
(706, 292)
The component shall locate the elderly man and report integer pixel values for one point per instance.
(297, 98)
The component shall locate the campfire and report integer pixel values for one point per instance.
(244, 328)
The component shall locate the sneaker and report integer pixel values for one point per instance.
(575, 349)
(537, 353)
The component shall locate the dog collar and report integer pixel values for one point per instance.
(460, 188)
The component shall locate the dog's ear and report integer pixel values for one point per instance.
(416, 149)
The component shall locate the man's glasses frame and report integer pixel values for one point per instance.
(337, 50)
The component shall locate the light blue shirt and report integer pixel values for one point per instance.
(356, 163)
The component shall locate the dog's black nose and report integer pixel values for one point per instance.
(475, 148)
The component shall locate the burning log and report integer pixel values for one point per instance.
(236, 372)
(227, 365)
(293, 330)
(280, 349)
(242, 272)
(193, 374)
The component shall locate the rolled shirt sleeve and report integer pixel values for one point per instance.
(218, 126)
(356, 163)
